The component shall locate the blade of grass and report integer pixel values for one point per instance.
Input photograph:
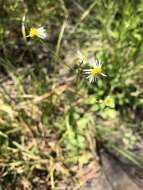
(87, 12)
(60, 38)
(3, 135)
(23, 28)
(126, 154)
(52, 168)
(84, 15)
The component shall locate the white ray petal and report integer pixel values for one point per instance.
(87, 69)
(91, 79)
(103, 74)
(87, 72)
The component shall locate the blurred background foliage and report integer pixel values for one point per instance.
(51, 117)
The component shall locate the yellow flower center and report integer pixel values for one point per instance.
(96, 71)
(33, 32)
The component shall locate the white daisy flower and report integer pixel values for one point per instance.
(94, 73)
(39, 32)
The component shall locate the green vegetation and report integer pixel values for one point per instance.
(51, 116)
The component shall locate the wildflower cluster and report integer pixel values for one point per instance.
(92, 73)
